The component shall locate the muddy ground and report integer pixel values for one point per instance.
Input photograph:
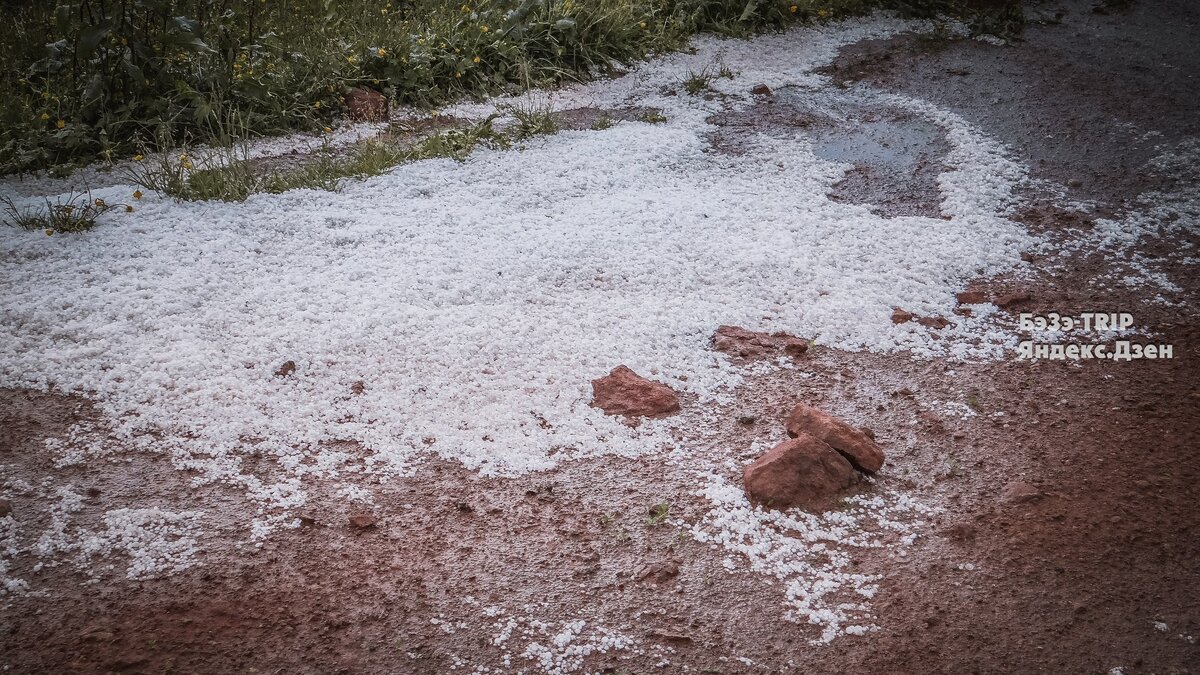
(1069, 534)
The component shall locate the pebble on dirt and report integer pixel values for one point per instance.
(761, 90)
(362, 521)
(857, 447)
(901, 316)
(5, 507)
(624, 392)
(803, 472)
(286, 369)
(366, 105)
(659, 572)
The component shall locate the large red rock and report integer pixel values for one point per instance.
(624, 392)
(366, 105)
(748, 344)
(803, 472)
(856, 446)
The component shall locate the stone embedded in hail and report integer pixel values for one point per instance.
(624, 392)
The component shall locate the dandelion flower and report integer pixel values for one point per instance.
(137, 194)
(49, 232)
(138, 158)
(642, 24)
(476, 59)
(793, 9)
(483, 29)
(823, 13)
(328, 130)
(60, 124)
(45, 116)
(317, 104)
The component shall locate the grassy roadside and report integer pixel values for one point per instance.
(105, 79)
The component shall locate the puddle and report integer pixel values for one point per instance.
(895, 155)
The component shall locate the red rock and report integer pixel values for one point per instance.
(863, 453)
(935, 322)
(748, 344)
(5, 507)
(286, 369)
(803, 472)
(624, 392)
(761, 90)
(971, 298)
(362, 521)
(358, 387)
(963, 311)
(1009, 299)
(366, 105)
(901, 316)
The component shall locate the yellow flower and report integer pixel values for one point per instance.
(138, 158)
(465, 9)
(476, 59)
(458, 75)
(60, 124)
(381, 52)
(49, 232)
(483, 29)
(137, 194)
(317, 104)
(328, 130)
(185, 162)
(823, 13)
(642, 24)
(45, 116)
(793, 9)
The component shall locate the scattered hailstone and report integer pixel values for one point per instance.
(811, 554)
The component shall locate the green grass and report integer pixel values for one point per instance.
(234, 178)
(658, 514)
(76, 213)
(91, 80)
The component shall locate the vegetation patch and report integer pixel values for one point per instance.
(76, 213)
(90, 80)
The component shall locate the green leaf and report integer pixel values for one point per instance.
(750, 11)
